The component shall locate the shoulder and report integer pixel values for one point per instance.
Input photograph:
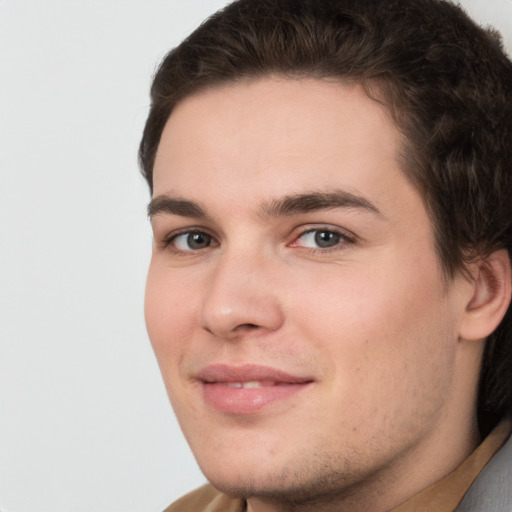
(492, 490)
(206, 499)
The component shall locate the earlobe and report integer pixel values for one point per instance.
(490, 298)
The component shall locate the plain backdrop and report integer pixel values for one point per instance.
(84, 421)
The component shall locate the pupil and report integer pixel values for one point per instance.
(198, 240)
(326, 238)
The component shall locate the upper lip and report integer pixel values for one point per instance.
(247, 373)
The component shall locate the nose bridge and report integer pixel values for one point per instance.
(240, 295)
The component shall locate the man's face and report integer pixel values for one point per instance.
(294, 300)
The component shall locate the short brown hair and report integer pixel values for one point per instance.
(446, 81)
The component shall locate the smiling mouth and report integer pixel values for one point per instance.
(242, 390)
(254, 384)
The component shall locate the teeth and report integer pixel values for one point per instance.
(252, 384)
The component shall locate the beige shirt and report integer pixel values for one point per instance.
(443, 496)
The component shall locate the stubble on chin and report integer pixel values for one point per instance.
(325, 483)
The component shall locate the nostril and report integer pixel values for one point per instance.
(248, 326)
(238, 329)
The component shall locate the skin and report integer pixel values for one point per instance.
(369, 320)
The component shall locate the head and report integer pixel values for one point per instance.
(444, 87)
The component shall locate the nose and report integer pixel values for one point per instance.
(241, 298)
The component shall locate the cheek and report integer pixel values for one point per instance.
(168, 312)
(381, 301)
(380, 333)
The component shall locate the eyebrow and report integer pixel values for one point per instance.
(317, 201)
(282, 207)
(175, 206)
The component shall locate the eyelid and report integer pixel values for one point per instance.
(166, 241)
(347, 237)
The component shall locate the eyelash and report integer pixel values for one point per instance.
(344, 239)
(167, 242)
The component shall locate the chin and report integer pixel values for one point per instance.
(293, 484)
(288, 490)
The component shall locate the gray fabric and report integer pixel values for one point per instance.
(492, 490)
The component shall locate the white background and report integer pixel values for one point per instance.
(84, 421)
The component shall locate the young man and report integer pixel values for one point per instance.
(329, 292)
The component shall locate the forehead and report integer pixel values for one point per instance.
(258, 139)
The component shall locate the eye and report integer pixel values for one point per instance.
(191, 241)
(320, 239)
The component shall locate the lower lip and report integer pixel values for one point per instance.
(247, 400)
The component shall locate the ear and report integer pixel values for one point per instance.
(491, 287)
